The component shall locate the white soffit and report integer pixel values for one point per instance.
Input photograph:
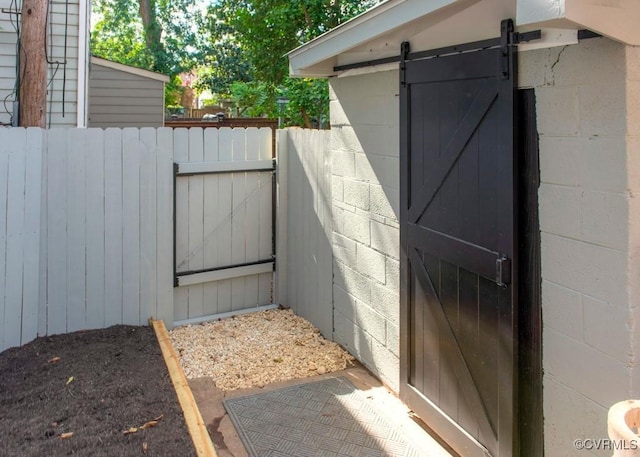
(616, 19)
(430, 24)
(534, 11)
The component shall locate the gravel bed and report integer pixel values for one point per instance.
(255, 349)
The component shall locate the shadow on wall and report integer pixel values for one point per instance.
(365, 205)
(308, 227)
(342, 237)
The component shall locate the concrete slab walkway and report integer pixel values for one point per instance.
(228, 444)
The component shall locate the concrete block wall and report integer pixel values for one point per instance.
(588, 213)
(365, 206)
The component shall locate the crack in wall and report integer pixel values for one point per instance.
(564, 48)
(550, 79)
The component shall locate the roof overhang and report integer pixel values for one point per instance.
(432, 24)
(129, 69)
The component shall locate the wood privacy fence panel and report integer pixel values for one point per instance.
(305, 198)
(108, 229)
(20, 190)
(86, 226)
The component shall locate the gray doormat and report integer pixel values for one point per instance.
(319, 419)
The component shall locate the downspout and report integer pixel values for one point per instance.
(83, 61)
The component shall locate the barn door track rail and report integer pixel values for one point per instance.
(187, 278)
(516, 38)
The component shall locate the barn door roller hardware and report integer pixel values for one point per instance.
(405, 47)
(506, 39)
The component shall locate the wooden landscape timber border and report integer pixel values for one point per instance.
(195, 424)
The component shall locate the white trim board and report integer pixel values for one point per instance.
(129, 69)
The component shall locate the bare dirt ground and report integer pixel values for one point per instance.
(256, 349)
(102, 393)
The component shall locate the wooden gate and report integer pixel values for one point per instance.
(458, 237)
(224, 249)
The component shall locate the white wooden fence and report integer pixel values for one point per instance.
(305, 258)
(86, 227)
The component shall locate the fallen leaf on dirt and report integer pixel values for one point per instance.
(54, 360)
(146, 425)
(65, 436)
(144, 447)
(149, 425)
(70, 380)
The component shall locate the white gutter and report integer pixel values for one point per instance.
(83, 61)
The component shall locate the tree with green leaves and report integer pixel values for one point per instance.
(154, 34)
(258, 34)
(224, 62)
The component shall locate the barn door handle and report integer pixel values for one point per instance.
(503, 271)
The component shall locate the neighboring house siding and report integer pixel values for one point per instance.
(120, 99)
(365, 206)
(7, 62)
(63, 115)
(59, 75)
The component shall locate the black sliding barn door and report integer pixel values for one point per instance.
(458, 233)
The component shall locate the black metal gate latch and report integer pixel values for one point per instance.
(503, 271)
